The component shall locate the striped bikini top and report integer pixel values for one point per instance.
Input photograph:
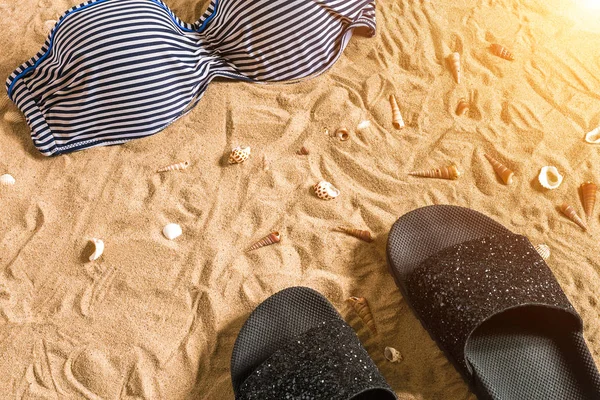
(116, 70)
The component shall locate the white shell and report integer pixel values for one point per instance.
(326, 191)
(98, 249)
(239, 155)
(363, 125)
(172, 231)
(392, 355)
(543, 250)
(550, 178)
(7, 180)
(593, 136)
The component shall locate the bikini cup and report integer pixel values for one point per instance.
(116, 70)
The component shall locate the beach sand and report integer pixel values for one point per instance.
(157, 319)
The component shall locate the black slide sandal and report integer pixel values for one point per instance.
(492, 305)
(295, 345)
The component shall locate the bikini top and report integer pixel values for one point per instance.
(116, 70)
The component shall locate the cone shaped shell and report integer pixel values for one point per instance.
(342, 134)
(392, 355)
(271, 238)
(303, 151)
(7, 180)
(593, 136)
(501, 51)
(450, 172)
(357, 233)
(588, 197)
(361, 307)
(543, 250)
(239, 155)
(549, 177)
(326, 191)
(503, 173)
(98, 249)
(462, 107)
(397, 120)
(175, 167)
(454, 65)
(572, 215)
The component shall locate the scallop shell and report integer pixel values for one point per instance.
(504, 173)
(342, 134)
(392, 355)
(397, 120)
(271, 238)
(4, 100)
(550, 178)
(588, 197)
(172, 231)
(462, 107)
(7, 180)
(450, 172)
(326, 191)
(572, 215)
(454, 64)
(593, 136)
(175, 167)
(501, 51)
(98, 249)
(363, 125)
(303, 151)
(14, 117)
(361, 307)
(543, 250)
(357, 233)
(239, 155)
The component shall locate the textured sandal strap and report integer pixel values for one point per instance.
(327, 362)
(462, 286)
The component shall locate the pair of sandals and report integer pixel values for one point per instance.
(483, 293)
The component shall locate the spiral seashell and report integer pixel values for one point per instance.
(326, 191)
(172, 231)
(271, 238)
(7, 180)
(462, 107)
(572, 215)
(14, 117)
(357, 233)
(543, 250)
(454, 64)
(98, 249)
(550, 178)
(593, 136)
(175, 167)
(342, 134)
(239, 155)
(504, 173)
(450, 172)
(392, 355)
(361, 307)
(303, 151)
(502, 52)
(588, 197)
(397, 120)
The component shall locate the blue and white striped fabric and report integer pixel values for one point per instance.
(116, 70)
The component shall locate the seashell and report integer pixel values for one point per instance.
(454, 64)
(392, 355)
(550, 178)
(175, 167)
(271, 238)
(14, 117)
(48, 27)
(593, 136)
(462, 107)
(397, 120)
(572, 215)
(326, 191)
(342, 134)
(543, 250)
(98, 249)
(361, 306)
(363, 125)
(502, 52)
(357, 233)
(588, 197)
(172, 231)
(450, 172)
(239, 155)
(3, 100)
(504, 173)
(7, 180)
(326, 132)
(303, 151)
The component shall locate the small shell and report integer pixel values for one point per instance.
(303, 151)
(7, 180)
(363, 125)
(342, 134)
(450, 172)
(48, 27)
(588, 197)
(357, 233)
(239, 155)
(501, 51)
(271, 238)
(172, 231)
(326, 191)
(175, 167)
(593, 136)
(14, 117)
(392, 355)
(98, 249)
(4, 100)
(397, 120)
(550, 178)
(543, 250)
(454, 64)
(572, 215)
(361, 306)
(462, 107)
(504, 173)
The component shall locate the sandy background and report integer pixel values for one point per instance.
(157, 319)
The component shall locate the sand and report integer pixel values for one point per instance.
(157, 319)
